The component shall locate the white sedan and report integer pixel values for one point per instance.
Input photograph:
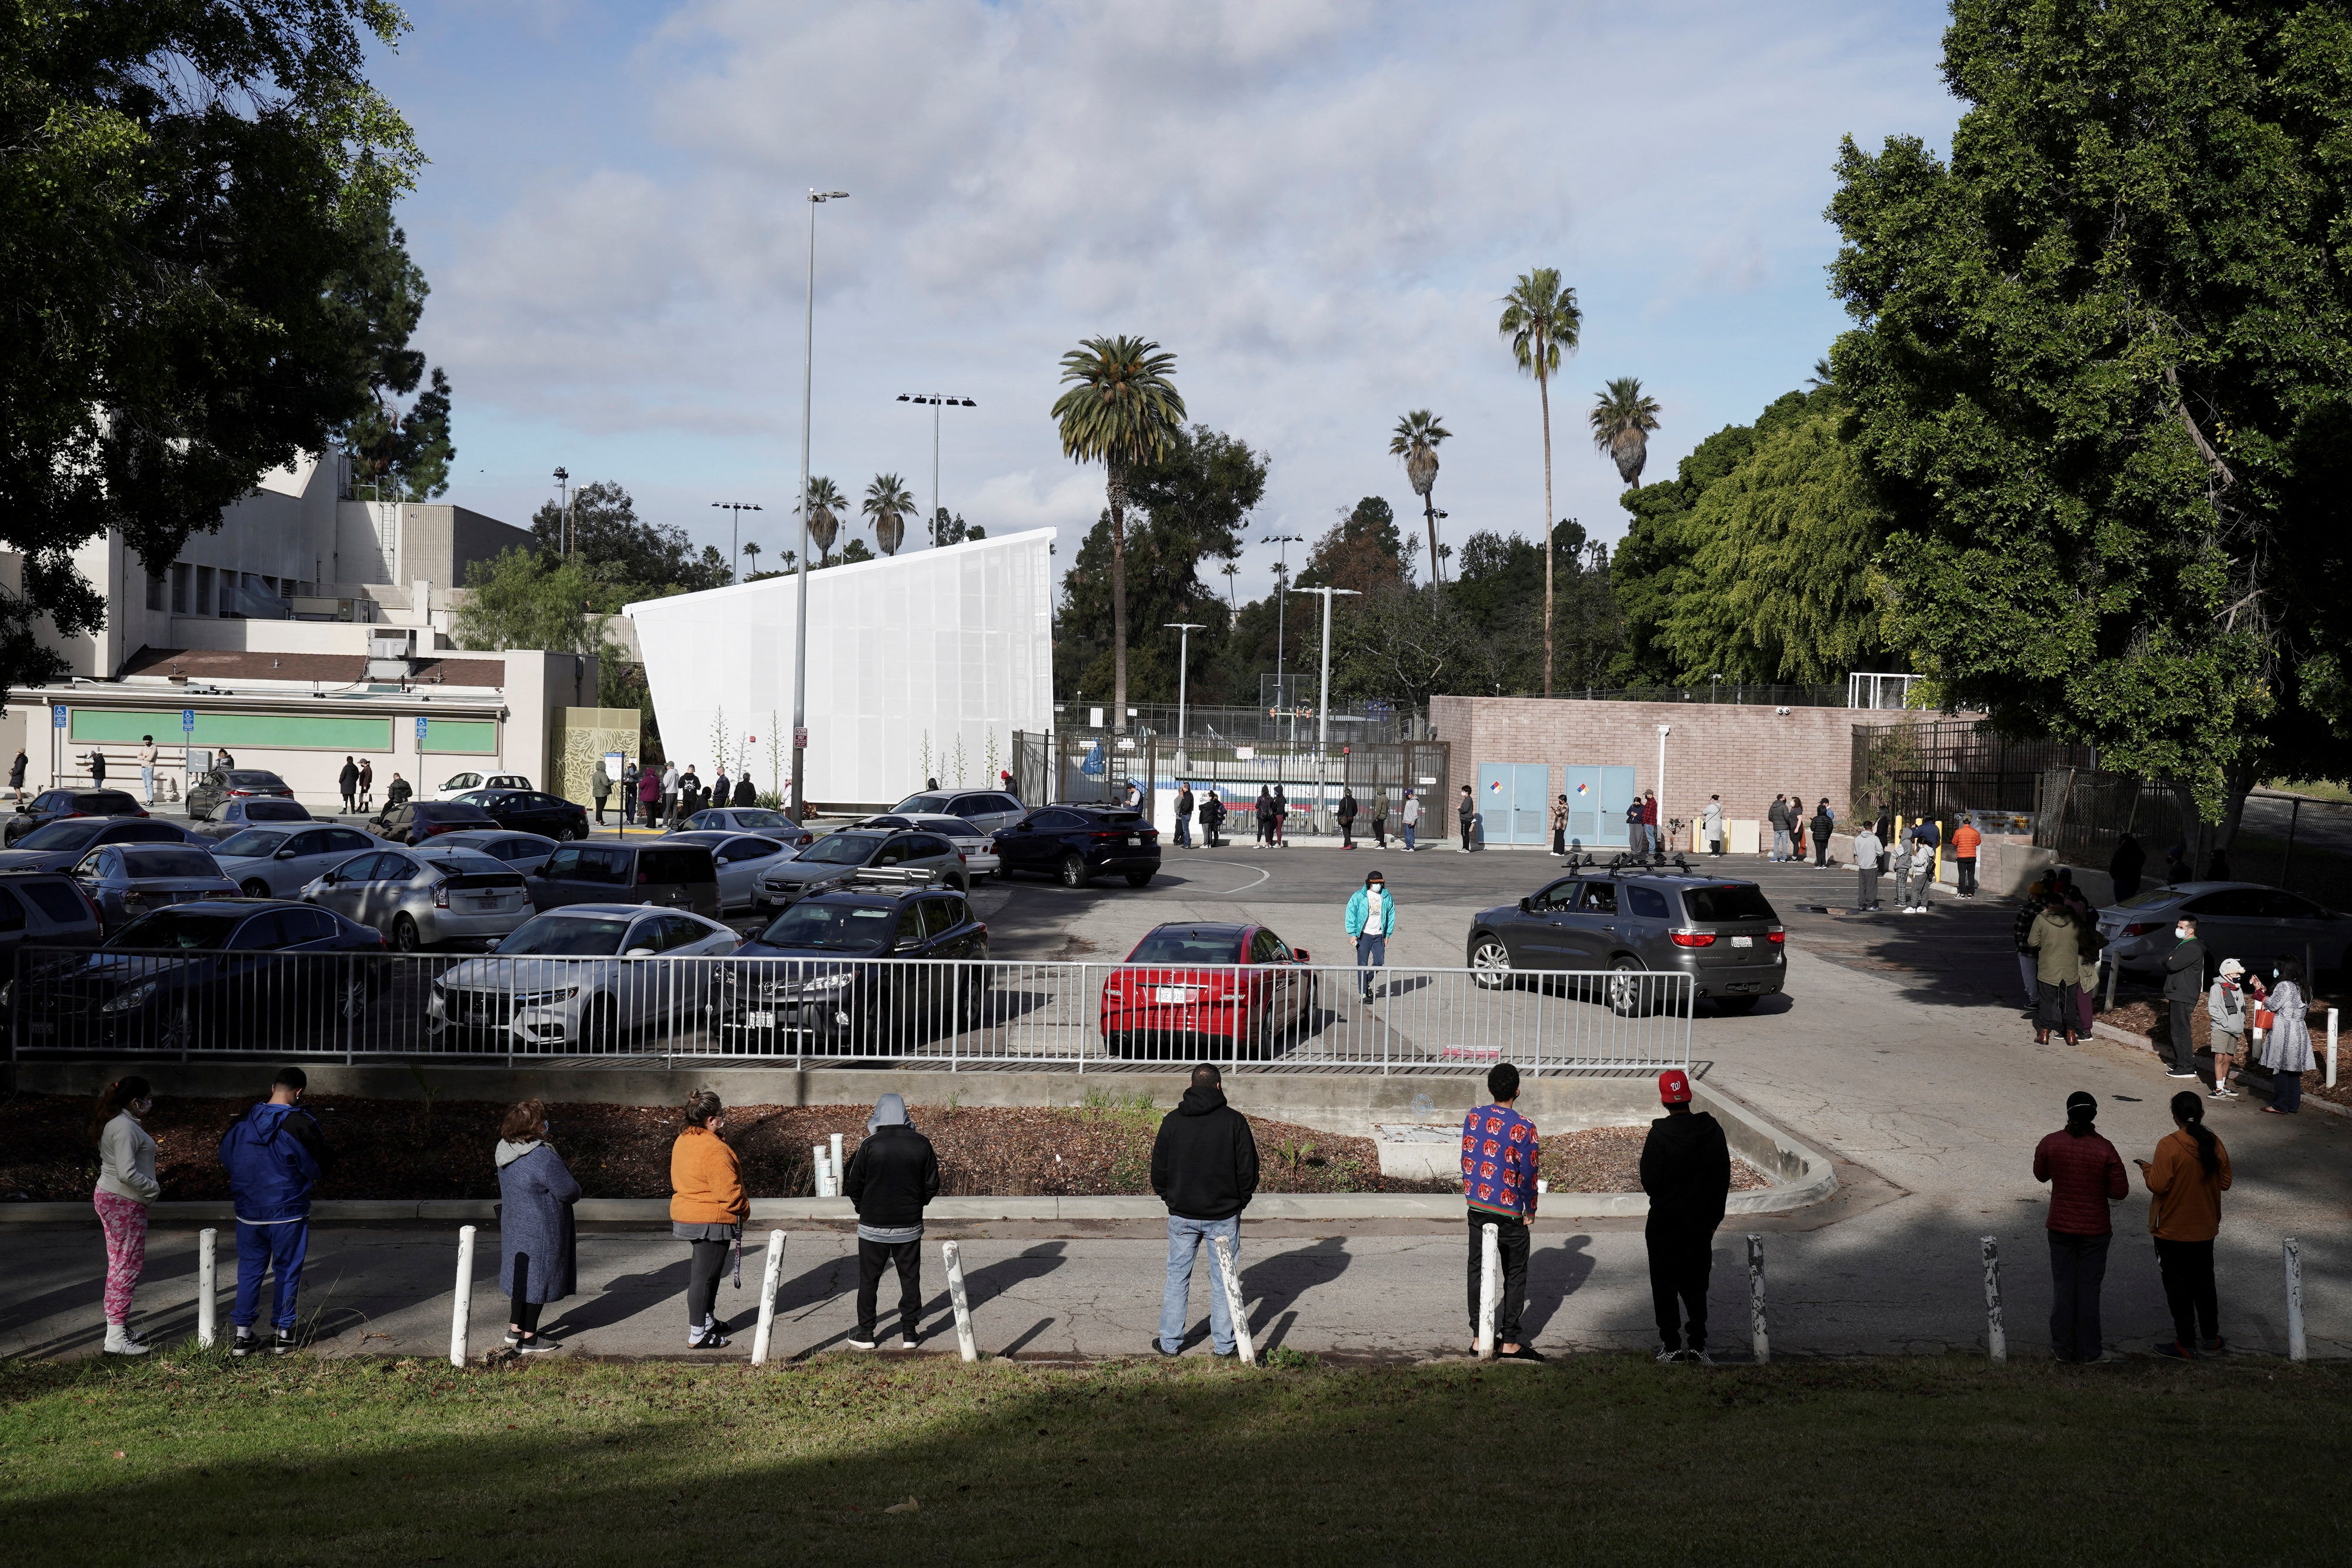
(978, 848)
(458, 784)
(587, 978)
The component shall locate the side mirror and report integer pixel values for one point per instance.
(283, 855)
(1526, 906)
(332, 879)
(1302, 955)
(638, 953)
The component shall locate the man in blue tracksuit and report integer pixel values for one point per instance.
(274, 1154)
(1371, 921)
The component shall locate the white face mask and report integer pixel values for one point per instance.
(2181, 932)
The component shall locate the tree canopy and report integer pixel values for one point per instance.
(625, 551)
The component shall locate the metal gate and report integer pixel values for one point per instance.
(1513, 803)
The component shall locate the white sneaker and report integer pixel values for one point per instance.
(120, 1343)
(863, 1343)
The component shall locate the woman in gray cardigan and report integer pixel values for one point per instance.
(537, 1241)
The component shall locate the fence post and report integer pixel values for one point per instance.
(2331, 1048)
(1490, 1286)
(1233, 1304)
(207, 1288)
(769, 1276)
(1995, 1338)
(461, 1308)
(2297, 1349)
(1758, 1337)
(834, 1171)
(965, 1341)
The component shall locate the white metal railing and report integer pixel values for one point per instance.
(950, 1014)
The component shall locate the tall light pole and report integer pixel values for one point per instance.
(1281, 616)
(563, 526)
(1184, 630)
(937, 401)
(735, 538)
(798, 804)
(1323, 702)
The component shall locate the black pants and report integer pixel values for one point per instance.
(1381, 831)
(873, 1257)
(1559, 841)
(1966, 871)
(601, 800)
(2078, 1266)
(1821, 850)
(1680, 1262)
(350, 802)
(2187, 1270)
(2056, 1007)
(524, 1315)
(1511, 1241)
(1466, 832)
(707, 1262)
(1348, 831)
(2183, 1045)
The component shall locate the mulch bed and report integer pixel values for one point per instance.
(406, 1149)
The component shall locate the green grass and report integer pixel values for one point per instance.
(187, 1459)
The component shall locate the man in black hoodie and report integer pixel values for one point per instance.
(1686, 1171)
(893, 1174)
(1204, 1168)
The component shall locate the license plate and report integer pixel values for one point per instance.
(1134, 841)
(1179, 996)
(485, 901)
(1743, 941)
(39, 1028)
(759, 1020)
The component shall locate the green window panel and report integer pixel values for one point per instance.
(462, 737)
(281, 731)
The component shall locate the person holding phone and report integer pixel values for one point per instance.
(707, 1210)
(2185, 1183)
(126, 1186)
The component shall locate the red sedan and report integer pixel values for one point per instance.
(1215, 989)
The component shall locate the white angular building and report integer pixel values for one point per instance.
(920, 665)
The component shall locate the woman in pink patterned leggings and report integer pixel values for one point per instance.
(126, 1186)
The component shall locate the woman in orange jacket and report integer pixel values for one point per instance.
(2185, 1183)
(707, 1210)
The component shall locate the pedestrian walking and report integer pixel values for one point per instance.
(367, 782)
(275, 1155)
(1866, 848)
(1965, 841)
(649, 793)
(1204, 1168)
(1410, 815)
(1466, 810)
(600, 786)
(1710, 821)
(347, 781)
(2184, 983)
(707, 1210)
(1184, 816)
(1380, 817)
(629, 794)
(2226, 1010)
(1212, 817)
(1371, 921)
(1560, 826)
(1650, 822)
(1778, 817)
(2055, 943)
(17, 775)
(893, 1174)
(1346, 814)
(1281, 818)
(2286, 1049)
(2185, 1183)
(1264, 815)
(126, 1186)
(147, 754)
(1686, 1171)
(538, 1243)
(1825, 824)
(2125, 867)
(1501, 1155)
(2085, 1174)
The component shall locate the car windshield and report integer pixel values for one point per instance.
(833, 928)
(922, 803)
(71, 834)
(252, 779)
(1740, 900)
(841, 849)
(274, 811)
(251, 843)
(168, 863)
(1187, 946)
(189, 927)
(2147, 899)
(568, 936)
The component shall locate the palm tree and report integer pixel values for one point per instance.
(751, 558)
(1822, 375)
(823, 516)
(1539, 319)
(1621, 422)
(1233, 603)
(1122, 411)
(1415, 440)
(890, 505)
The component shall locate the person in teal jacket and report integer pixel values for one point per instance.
(1371, 921)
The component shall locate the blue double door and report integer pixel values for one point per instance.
(1514, 803)
(1597, 798)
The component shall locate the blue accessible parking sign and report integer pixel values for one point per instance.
(421, 722)
(187, 721)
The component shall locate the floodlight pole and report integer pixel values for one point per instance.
(798, 805)
(1184, 630)
(1323, 701)
(735, 539)
(937, 400)
(1281, 618)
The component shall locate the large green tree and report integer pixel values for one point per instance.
(399, 453)
(1656, 563)
(623, 549)
(2100, 365)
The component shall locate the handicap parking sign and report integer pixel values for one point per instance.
(421, 722)
(187, 720)
(58, 715)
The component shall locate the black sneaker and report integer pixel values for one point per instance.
(1159, 1349)
(537, 1344)
(285, 1343)
(244, 1344)
(1524, 1352)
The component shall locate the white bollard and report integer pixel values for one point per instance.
(2331, 1048)
(2297, 1348)
(768, 1281)
(965, 1340)
(837, 1168)
(1233, 1306)
(1490, 1286)
(816, 1170)
(461, 1309)
(1759, 1338)
(207, 1288)
(1996, 1337)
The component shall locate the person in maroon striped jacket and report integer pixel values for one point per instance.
(2085, 1174)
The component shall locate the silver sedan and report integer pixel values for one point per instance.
(126, 881)
(429, 898)
(593, 976)
(742, 857)
(977, 847)
(278, 863)
(525, 852)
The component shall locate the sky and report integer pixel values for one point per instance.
(1317, 206)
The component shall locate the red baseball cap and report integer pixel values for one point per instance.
(1674, 1087)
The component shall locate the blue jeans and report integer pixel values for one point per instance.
(1780, 844)
(1371, 955)
(1408, 838)
(1184, 1236)
(275, 1249)
(1183, 832)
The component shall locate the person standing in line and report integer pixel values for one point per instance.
(672, 780)
(1410, 815)
(649, 786)
(1380, 816)
(2056, 944)
(126, 1186)
(1346, 814)
(1560, 826)
(2225, 1008)
(1922, 874)
(1466, 809)
(745, 793)
(275, 1155)
(893, 1174)
(1281, 818)
(147, 754)
(723, 788)
(1371, 921)
(2020, 929)
(2286, 1049)
(367, 782)
(1183, 816)
(707, 1210)
(2090, 944)
(2124, 869)
(1501, 1157)
(1825, 824)
(1965, 841)
(17, 775)
(1006, 782)
(1778, 816)
(1204, 1168)
(539, 1244)
(629, 794)
(1711, 819)
(1865, 865)
(1650, 823)
(2184, 983)
(2185, 1183)
(347, 781)
(1212, 817)
(600, 786)
(2085, 1174)
(1899, 868)
(1637, 834)
(1686, 1171)
(223, 760)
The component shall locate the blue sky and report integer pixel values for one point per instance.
(1315, 205)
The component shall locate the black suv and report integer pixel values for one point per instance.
(829, 973)
(413, 821)
(53, 805)
(531, 811)
(1635, 920)
(1079, 843)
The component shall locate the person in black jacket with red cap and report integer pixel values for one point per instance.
(1686, 1171)
(893, 1174)
(1204, 1168)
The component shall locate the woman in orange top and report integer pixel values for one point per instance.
(2186, 1181)
(707, 1210)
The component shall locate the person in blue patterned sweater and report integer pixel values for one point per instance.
(1500, 1154)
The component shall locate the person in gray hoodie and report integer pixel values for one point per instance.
(1866, 850)
(894, 1175)
(538, 1243)
(126, 1186)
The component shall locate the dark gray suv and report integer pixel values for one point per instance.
(1725, 935)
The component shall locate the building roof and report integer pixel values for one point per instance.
(220, 664)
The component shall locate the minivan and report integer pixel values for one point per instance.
(675, 875)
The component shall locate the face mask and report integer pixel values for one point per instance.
(2181, 932)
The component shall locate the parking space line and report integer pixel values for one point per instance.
(1262, 873)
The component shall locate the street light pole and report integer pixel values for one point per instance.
(1184, 628)
(936, 403)
(798, 804)
(735, 538)
(1281, 618)
(1323, 701)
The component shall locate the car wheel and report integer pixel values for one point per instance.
(1735, 1004)
(177, 1029)
(599, 1030)
(1075, 872)
(349, 1002)
(1628, 992)
(1139, 879)
(405, 937)
(254, 887)
(1491, 962)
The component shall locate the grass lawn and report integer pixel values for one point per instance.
(187, 1458)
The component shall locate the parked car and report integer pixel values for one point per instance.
(834, 860)
(525, 852)
(57, 805)
(414, 821)
(740, 858)
(679, 876)
(127, 881)
(278, 863)
(45, 909)
(255, 810)
(2242, 920)
(829, 973)
(530, 812)
(60, 844)
(1725, 935)
(1079, 843)
(978, 848)
(432, 897)
(588, 977)
(748, 819)
(988, 810)
(1206, 987)
(461, 783)
(217, 786)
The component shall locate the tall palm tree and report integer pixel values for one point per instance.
(1540, 319)
(1415, 440)
(1621, 422)
(1233, 603)
(751, 556)
(1121, 411)
(1822, 375)
(825, 508)
(890, 505)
